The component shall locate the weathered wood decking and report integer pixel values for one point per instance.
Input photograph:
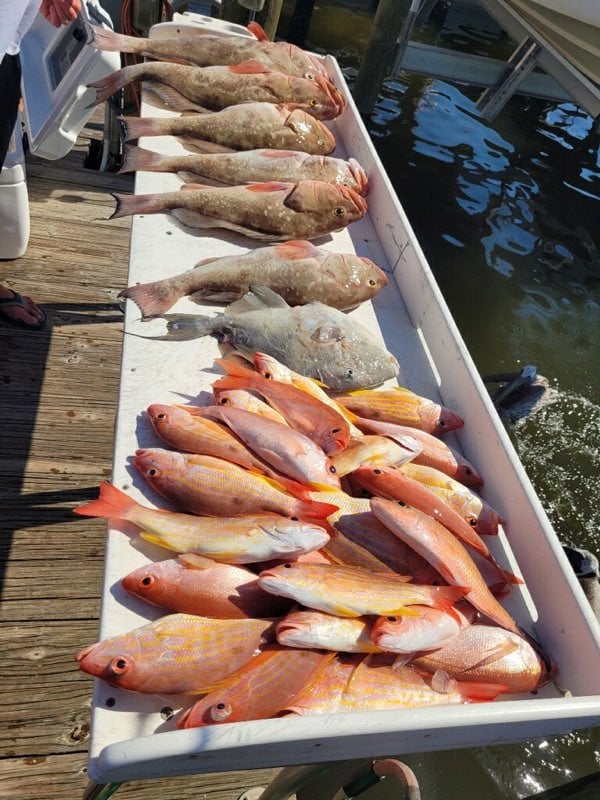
(58, 393)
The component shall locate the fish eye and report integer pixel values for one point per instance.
(268, 375)
(377, 472)
(147, 580)
(402, 503)
(350, 373)
(371, 282)
(332, 469)
(119, 665)
(339, 211)
(152, 472)
(220, 712)
(364, 492)
(314, 103)
(295, 519)
(442, 423)
(321, 142)
(336, 430)
(472, 521)
(468, 471)
(162, 415)
(223, 401)
(287, 566)
(391, 619)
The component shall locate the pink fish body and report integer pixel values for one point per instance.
(446, 553)
(241, 127)
(211, 486)
(489, 653)
(190, 433)
(353, 591)
(210, 50)
(403, 407)
(250, 166)
(288, 451)
(257, 691)
(192, 584)
(434, 452)
(431, 630)
(297, 271)
(177, 654)
(313, 629)
(184, 87)
(266, 211)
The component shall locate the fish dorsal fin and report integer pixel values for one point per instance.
(195, 561)
(248, 302)
(269, 186)
(296, 250)
(250, 67)
(259, 297)
(256, 29)
(442, 682)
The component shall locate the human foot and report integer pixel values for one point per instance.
(20, 311)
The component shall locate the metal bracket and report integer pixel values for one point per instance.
(519, 65)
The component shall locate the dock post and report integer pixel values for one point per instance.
(379, 52)
(269, 17)
(232, 11)
(300, 22)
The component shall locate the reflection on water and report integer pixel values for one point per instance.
(507, 214)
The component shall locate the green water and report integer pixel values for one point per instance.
(508, 216)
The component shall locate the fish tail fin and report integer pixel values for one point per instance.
(153, 299)
(106, 39)
(128, 204)
(182, 327)
(111, 503)
(136, 127)
(256, 29)
(138, 159)
(106, 87)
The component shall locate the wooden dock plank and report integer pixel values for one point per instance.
(58, 402)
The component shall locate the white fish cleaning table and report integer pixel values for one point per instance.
(133, 735)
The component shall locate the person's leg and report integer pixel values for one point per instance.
(13, 308)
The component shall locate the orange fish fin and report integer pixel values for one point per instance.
(154, 539)
(194, 411)
(235, 368)
(499, 590)
(446, 596)
(111, 503)
(295, 488)
(319, 511)
(250, 67)
(256, 29)
(442, 682)
(296, 250)
(474, 692)
(268, 186)
(195, 561)
(403, 611)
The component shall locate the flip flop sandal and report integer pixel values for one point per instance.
(16, 301)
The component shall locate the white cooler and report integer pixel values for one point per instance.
(57, 65)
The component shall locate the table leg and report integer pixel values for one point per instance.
(100, 791)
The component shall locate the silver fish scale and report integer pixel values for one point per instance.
(314, 340)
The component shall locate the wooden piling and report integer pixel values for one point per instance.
(300, 22)
(269, 17)
(379, 52)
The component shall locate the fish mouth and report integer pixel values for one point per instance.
(359, 203)
(360, 176)
(336, 97)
